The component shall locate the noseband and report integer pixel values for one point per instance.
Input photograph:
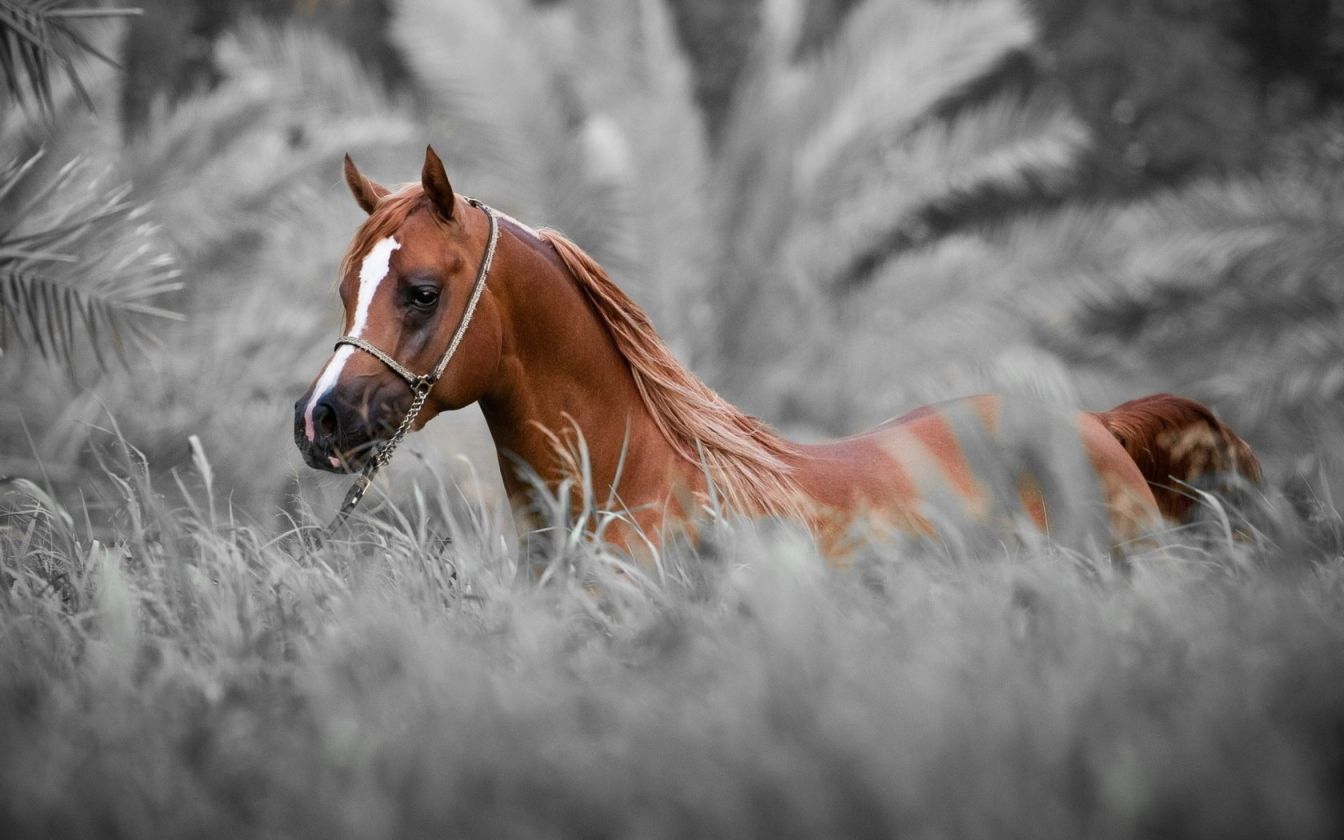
(421, 384)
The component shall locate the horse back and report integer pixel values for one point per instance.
(983, 462)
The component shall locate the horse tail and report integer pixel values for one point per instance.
(1178, 441)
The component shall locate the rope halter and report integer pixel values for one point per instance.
(420, 384)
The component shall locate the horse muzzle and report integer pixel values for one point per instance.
(338, 436)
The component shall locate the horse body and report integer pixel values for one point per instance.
(973, 461)
(571, 377)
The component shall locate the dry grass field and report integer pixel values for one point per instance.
(190, 675)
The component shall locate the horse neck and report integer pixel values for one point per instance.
(562, 380)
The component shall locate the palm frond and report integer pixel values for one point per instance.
(502, 115)
(891, 66)
(933, 324)
(39, 38)
(1227, 272)
(79, 266)
(802, 131)
(894, 136)
(999, 154)
(292, 103)
(644, 136)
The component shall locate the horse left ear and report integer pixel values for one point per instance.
(435, 182)
(365, 191)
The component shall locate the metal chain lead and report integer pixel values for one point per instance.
(420, 385)
(380, 459)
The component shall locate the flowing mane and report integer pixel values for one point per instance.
(745, 459)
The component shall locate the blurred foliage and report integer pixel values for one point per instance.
(37, 37)
(1173, 89)
(82, 268)
(717, 37)
(171, 51)
(1234, 294)
(1169, 88)
(78, 264)
(840, 161)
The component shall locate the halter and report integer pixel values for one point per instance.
(422, 384)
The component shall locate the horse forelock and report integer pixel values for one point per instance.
(389, 215)
(747, 461)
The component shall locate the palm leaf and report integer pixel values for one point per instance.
(892, 66)
(78, 266)
(998, 155)
(501, 115)
(643, 138)
(893, 136)
(293, 102)
(39, 38)
(1230, 275)
(802, 132)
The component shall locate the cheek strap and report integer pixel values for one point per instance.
(427, 381)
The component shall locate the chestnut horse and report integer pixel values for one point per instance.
(526, 324)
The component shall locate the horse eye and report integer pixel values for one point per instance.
(424, 297)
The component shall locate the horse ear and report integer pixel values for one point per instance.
(435, 182)
(366, 192)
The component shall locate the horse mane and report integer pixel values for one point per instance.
(744, 458)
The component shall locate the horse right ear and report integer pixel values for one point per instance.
(366, 192)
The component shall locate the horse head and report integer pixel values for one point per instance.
(408, 283)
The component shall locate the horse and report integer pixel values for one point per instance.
(525, 324)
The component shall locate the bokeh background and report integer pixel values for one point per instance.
(833, 210)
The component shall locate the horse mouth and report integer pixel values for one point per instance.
(348, 439)
(346, 461)
(342, 459)
(339, 464)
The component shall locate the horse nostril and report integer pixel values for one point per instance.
(324, 419)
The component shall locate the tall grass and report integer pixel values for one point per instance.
(184, 673)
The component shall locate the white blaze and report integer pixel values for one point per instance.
(372, 271)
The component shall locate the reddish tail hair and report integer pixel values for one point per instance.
(1175, 440)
